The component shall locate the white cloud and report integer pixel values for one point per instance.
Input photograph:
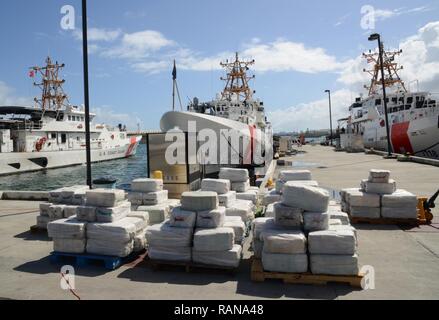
(107, 115)
(384, 14)
(8, 97)
(139, 45)
(96, 34)
(313, 115)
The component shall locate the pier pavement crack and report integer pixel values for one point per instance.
(425, 247)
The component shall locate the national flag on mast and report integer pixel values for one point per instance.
(174, 72)
(32, 73)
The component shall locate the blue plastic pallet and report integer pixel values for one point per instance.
(81, 260)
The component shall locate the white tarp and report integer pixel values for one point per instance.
(180, 254)
(365, 212)
(339, 241)
(104, 197)
(69, 245)
(399, 199)
(164, 235)
(182, 218)
(250, 195)
(122, 231)
(293, 263)
(66, 228)
(238, 227)
(271, 197)
(56, 211)
(285, 241)
(234, 175)
(109, 247)
(379, 176)
(360, 198)
(400, 213)
(305, 197)
(241, 208)
(146, 185)
(291, 175)
(157, 213)
(220, 186)
(219, 239)
(212, 218)
(86, 213)
(113, 214)
(287, 216)
(241, 186)
(227, 199)
(379, 188)
(229, 258)
(199, 200)
(315, 221)
(334, 264)
(70, 211)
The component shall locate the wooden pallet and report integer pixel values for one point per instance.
(188, 267)
(82, 260)
(388, 221)
(259, 275)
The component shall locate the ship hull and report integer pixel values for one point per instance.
(22, 162)
(180, 120)
(419, 137)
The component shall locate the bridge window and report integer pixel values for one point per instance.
(409, 100)
(395, 100)
(63, 138)
(53, 136)
(70, 118)
(377, 102)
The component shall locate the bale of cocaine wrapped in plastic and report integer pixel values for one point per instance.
(379, 176)
(241, 186)
(280, 184)
(227, 199)
(114, 213)
(148, 199)
(238, 227)
(399, 205)
(277, 262)
(68, 235)
(104, 197)
(199, 201)
(334, 264)
(284, 241)
(291, 175)
(56, 211)
(157, 213)
(70, 211)
(234, 175)
(378, 187)
(337, 242)
(269, 210)
(305, 197)
(211, 218)
(271, 197)
(229, 258)
(287, 216)
(250, 195)
(86, 213)
(363, 204)
(315, 221)
(182, 218)
(146, 185)
(220, 186)
(241, 208)
(342, 216)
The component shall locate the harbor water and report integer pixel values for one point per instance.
(124, 170)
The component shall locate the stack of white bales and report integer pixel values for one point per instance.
(378, 197)
(69, 235)
(62, 204)
(227, 199)
(282, 241)
(239, 178)
(148, 195)
(214, 244)
(300, 176)
(117, 231)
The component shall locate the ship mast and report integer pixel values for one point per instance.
(391, 69)
(237, 80)
(53, 96)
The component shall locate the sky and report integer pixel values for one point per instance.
(301, 48)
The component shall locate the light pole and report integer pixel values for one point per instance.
(330, 113)
(86, 92)
(373, 37)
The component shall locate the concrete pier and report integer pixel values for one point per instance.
(405, 261)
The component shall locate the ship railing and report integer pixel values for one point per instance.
(25, 125)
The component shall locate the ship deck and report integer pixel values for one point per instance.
(405, 261)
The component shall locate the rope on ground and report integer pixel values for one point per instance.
(70, 287)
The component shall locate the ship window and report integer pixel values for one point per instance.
(53, 136)
(401, 99)
(82, 118)
(77, 138)
(70, 118)
(377, 102)
(394, 100)
(387, 100)
(401, 108)
(407, 106)
(63, 138)
(410, 100)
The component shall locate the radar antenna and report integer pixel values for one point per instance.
(237, 87)
(53, 96)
